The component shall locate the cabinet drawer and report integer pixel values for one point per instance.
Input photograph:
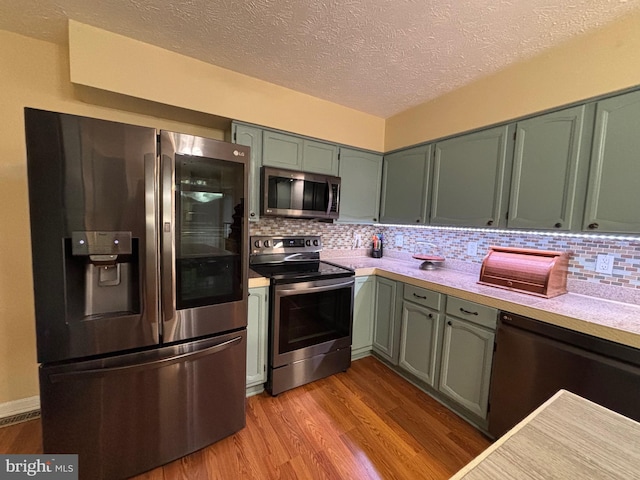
(472, 312)
(423, 297)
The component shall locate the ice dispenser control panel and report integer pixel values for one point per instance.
(101, 243)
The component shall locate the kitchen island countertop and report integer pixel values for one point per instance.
(566, 437)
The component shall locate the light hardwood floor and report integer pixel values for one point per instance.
(367, 423)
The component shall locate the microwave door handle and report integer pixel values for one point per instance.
(330, 197)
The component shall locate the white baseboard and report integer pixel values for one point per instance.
(23, 405)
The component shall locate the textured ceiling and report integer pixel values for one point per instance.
(376, 56)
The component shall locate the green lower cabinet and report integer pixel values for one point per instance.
(386, 333)
(257, 338)
(363, 316)
(420, 342)
(465, 373)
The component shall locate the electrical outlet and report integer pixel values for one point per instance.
(472, 249)
(604, 264)
(399, 240)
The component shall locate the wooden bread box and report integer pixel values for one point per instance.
(537, 272)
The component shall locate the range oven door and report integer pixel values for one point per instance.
(310, 318)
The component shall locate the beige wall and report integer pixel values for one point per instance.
(600, 62)
(35, 74)
(152, 73)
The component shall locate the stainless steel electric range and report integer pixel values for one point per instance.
(311, 313)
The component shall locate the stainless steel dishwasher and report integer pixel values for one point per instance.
(533, 360)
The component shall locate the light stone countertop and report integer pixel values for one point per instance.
(611, 320)
(566, 437)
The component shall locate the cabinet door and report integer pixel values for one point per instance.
(319, 157)
(545, 170)
(405, 185)
(469, 179)
(420, 341)
(282, 151)
(363, 316)
(386, 329)
(467, 352)
(613, 196)
(251, 137)
(361, 174)
(257, 336)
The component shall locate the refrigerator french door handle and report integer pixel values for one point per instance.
(132, 368)
(167, 243)
(151, 287)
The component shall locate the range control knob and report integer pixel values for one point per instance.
(316, 243)
(308, 243)
(256, 244)
(267, 243)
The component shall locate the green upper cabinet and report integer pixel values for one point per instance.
(470, 179)
(548, 155)
(281, 150)
(251, 137)
(319, 157)
(361, 174)
(405, 186)
(296, 153)
(613, 196)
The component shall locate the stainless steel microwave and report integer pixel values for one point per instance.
(290, 193)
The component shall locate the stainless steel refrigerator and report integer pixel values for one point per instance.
(139, 242)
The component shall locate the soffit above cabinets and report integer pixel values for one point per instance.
(376, 56)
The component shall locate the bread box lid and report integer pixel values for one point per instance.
(537, 272)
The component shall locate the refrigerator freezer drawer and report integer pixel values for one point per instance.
(131, 413)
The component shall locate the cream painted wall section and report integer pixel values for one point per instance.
(36, 74)
(601, 62)
(152, 73)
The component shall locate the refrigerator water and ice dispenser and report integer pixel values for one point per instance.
(110, 274)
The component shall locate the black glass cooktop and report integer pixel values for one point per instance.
(299, 270)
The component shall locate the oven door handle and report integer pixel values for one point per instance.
(301, 288)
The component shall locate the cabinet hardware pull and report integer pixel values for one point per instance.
(558, 225)
(490, 222)
(431, 315)
(593, 226)
(375, 219)
(468, 312)
(418, 296)
(449, 323)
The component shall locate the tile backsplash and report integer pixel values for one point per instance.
(458, 244)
